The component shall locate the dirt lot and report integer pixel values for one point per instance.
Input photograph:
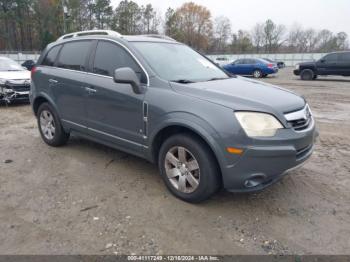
(44, 191)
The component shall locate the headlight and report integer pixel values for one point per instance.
(297, 67)
(2, 82)
(258, 124)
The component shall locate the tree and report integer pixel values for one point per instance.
(222, 33)
(273, 35)
(258, 36)
(103, 13)
(193, 25)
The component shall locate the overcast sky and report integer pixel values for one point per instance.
(331, 14)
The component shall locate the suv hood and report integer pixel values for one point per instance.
(243, 94)
(15, 75)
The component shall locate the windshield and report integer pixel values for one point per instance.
(177, 62)
(9, 65)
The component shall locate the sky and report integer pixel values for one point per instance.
(244, 14)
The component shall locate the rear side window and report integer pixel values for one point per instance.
(73, 55)
(111, 56)
(344, 57)
(51, 56)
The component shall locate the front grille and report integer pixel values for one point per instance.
(301, 119)
(300, 124)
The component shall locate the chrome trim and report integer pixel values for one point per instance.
(110, 40)
(116, 137)
(104, 133)
(73, 123)
(300, 114)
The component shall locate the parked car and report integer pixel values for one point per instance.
(221, 61)
(29, 64)
(331, 64)
(14, 81)
(203, 128)
(280, 64)
(251, 66)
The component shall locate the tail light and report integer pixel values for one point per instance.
(32, 72)
(270, 65)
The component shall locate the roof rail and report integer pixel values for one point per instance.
(90, 32)
(160, 36)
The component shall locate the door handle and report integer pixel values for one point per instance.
(90, 90)
(53, 81)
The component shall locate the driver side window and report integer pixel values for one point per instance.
(110, 56)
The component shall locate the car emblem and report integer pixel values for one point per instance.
(27, 83)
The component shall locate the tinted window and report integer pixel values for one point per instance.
(238, 62)
(51, 56)
(73, 55)
(344, 57)
(251, 61)
(110, 57)
(331, 58)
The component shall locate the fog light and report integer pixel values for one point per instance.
(255, 180)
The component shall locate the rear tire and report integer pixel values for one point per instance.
(188, 168)
(50, 126)
(257, 73)
(307, 74)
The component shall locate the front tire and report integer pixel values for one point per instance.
(307, 74)
(188, 168)
(257, 73)
(50, 126)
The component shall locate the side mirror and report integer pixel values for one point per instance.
(126, 75)
(322, 60)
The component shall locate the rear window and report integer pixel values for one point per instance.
(73, 55)
(51, 56)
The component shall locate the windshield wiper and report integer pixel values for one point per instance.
(182, 81)
(217, 78)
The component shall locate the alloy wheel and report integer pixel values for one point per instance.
(182, 169)
(47, 124)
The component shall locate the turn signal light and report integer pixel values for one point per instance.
(233, 150)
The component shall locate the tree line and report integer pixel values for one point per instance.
(32, 24)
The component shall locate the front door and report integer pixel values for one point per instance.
(114, 111)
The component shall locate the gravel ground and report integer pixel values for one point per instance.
(85, 198)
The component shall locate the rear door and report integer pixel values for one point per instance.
(69, 82)
(344, 63)
(114, 111)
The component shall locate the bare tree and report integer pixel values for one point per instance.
(258, 36)
(222, 33)
(273, 35)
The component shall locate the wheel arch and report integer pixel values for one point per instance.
(170, 129)
(40, 99)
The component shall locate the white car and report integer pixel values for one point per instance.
(14, 81)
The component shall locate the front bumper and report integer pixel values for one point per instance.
(264, 164)
(9, 97)
(296, 72)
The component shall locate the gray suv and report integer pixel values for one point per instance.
(160, 100)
